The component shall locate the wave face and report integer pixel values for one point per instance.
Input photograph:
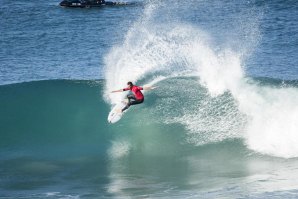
(234, 106)
(50, 113)
(56, 141)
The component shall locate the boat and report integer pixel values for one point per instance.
(88, 3)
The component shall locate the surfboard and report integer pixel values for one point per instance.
(115, 115)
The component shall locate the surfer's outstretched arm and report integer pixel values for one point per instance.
(120, 90)
(149, 87)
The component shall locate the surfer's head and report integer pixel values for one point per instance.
(130, 84)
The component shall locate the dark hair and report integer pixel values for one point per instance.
(130, 83)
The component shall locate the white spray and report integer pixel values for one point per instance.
(173, 49)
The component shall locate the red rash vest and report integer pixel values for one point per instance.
(137, 91)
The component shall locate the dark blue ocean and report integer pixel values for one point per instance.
(221, 124)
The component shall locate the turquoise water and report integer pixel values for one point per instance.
(221, 124)
(56, 143)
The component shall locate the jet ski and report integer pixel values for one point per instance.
(88, 3)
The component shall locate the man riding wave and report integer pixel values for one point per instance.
(137, 97)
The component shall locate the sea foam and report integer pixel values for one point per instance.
(265, 116)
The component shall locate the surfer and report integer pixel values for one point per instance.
(137, 97)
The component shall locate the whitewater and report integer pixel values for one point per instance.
(154, 51)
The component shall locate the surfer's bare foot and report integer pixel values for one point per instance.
(119, 111)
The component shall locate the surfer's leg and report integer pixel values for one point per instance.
(128, 98)
(126, 107)
(133, 102)
(131, 97)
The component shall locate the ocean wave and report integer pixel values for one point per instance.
(233, 105)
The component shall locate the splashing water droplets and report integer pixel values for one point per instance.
(229, 107)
